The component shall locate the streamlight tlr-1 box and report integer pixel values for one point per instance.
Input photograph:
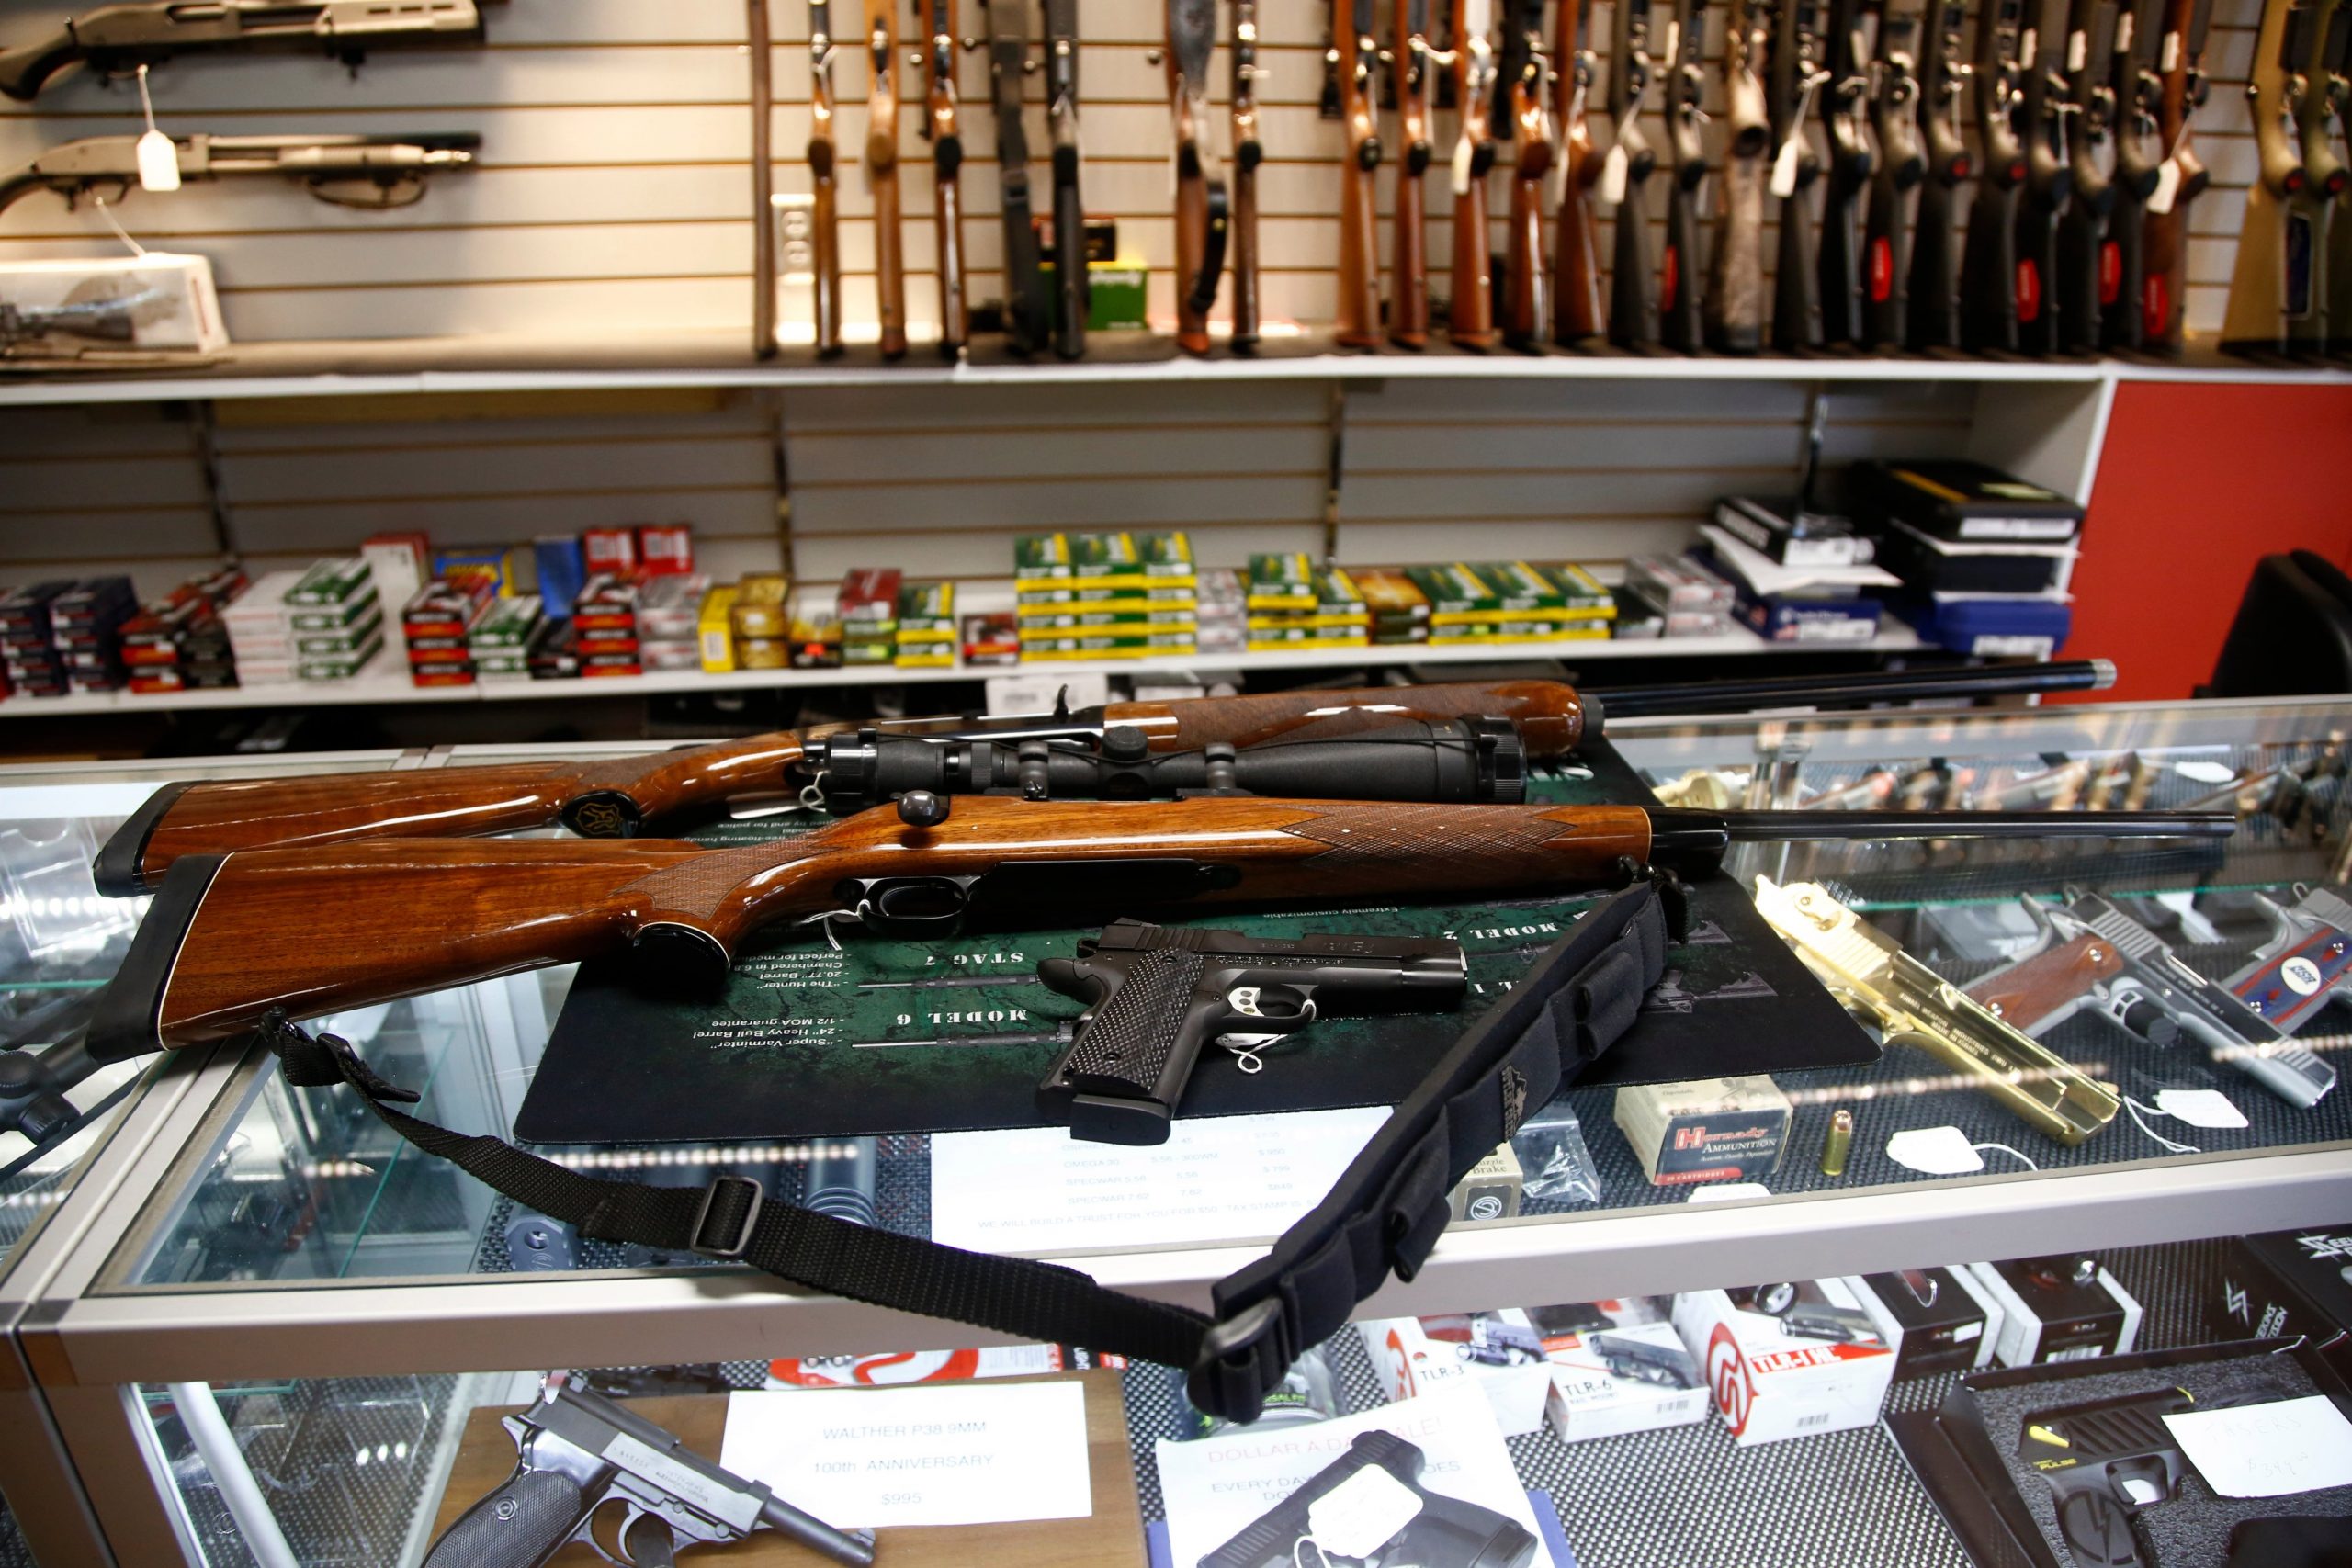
(1789, 1359)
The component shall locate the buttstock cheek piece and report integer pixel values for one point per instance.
(1385, 1211)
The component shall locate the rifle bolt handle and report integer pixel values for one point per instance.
(921, 808)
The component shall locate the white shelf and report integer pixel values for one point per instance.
(384, 680)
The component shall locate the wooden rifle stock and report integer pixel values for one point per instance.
(1680, 311)
(1470, 313)
(1632, 294)
(882, 170)
(1248, 154)
(315, 932)
(1576, 263)
(2180, 60)
(1932, 313)
(2082, 228)
(758, 39)
(1358, 318)
(947, 162)
(2265, 291)
(1734, 307)
(1408, 300)
(2139, 165)
(1843, 99)
(1524, 317)
(824, 217)
(1988, 300)
(613, 797)
(1900, 166)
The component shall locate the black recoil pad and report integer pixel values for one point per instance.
(603, 813)
(116, 869)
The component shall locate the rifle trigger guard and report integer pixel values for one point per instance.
(910, 906)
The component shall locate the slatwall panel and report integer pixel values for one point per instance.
(612, 194)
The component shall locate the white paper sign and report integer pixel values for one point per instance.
(865, 1458)
(1217, 1486)
(1216, 1178)
(1934, 1151)
(2267, 1451)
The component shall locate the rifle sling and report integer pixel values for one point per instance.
(1385, 1211)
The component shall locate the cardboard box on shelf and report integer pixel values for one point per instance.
(1791, 1360)
(1499, 1352)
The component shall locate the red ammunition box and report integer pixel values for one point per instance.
(608, 550)
(666, 549)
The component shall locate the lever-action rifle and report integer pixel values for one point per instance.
(1073, 293)
(2271, 287)
(1735, 302)
(1988, 265)
(1248, 154)
(2181, 60)
(1409, 299)
(939, 128)
(1844, 111)
(1633, 297)
(370, 172)
(824, 217)
(882, 170)
(1899, 167)
(1679, 325)
(1932, 313)
(1525, 315)
(229, 939)
(1027, 317)
(614, 797)
(1797, 75)
(1358, 317)
(2139, 168)
(1470, 313)
(116, 40)
(1203, 212)
(2047, 180)
(1575, 264)
(2082, 229)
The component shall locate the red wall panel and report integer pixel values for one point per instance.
(2196, 483)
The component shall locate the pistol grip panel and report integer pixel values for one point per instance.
(520, 1525)
(1136, 1051)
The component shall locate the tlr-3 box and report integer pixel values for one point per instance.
(1939, 1320)
(1790, 1360)
(1499, 1351)
(2066, 1308)
(1618, 1367)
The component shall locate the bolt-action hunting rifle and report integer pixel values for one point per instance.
(1358, 317)
(1899, 168)
(1204, 207)
(882, 172)
(1734, 302)
(229, 939)
(2180, 60)
(939, 105)
(1028, 317)
(1680, 327)
(2048, 179)
(1414, 91)
(1931, 311)
(1525, 317)
(1845, 112)
(1470, 311)
(1073, 293)
(2139, 169)
(614, 797)
(1624, 180)
(1575, 264)
(2082, 228)
(1797, 75)
(116, 40)
(1988, 265)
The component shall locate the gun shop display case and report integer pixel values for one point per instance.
(294, 1327)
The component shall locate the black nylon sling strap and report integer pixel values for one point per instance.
(1385, 1211)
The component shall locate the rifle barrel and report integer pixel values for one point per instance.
(1866, 686)
(1870, 827)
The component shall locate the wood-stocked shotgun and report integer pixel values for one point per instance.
(1357, 314)
(1931, 308)
(229, 939)
(1408, 298)
(1577, 315)
(2180, 59)
(882, 170)
(1525, 319)
(1470, 311)
(1734, 307)
(1625, 180)
(939, 105)
(1248, 154)
(615, 796)
(1204, 211)
(824, 216)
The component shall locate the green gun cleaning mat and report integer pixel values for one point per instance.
(954, 1034)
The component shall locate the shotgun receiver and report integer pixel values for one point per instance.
(371, 172)
(1408, 300)
(1358, 316)
(1900, 166)
(1575, 264)
(882, 172)
(1470, 311)
(1625, 176)
(1845, 109)
(1072, 292)
(1204, 207)
(1735, 302)
(824, 216)
(2180, 60)
(939, 105)
(1525, 317)
(1932, 313)
(1679, 290)
(1988, 265)
(228, 939)
(1027, 315)
(116, 40)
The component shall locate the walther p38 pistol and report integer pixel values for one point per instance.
(577, 1450)
(1156, 994)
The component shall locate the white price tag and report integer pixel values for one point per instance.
(1612, 177)
(1934, 1151)
(1363, 1514)
(2078, 50)
(159, 162)
(2160, 199)
(2201, 1107)
(1462, 160)
(1784, 168)
(2170, 53)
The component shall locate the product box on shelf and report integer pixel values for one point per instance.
(2285, 1283)
(1283, 581)
(666, 549)
(341, 641)
(491, 564)
(1939, 1320)
(1676, 583)
(337, 581)
(1499, 1352)
(992, 637)
(560, 568)
(1960, 499)
(441, 610)
(93, 605)
(1929, 565)
(552, 655)
(868, 597)
(2066, 1308)
(715, 629)
(1707, 1130)
(1784, 528)
(763, 607)
(1582, 596)
(1790, 1360)
(81, 308)
(23, 612)
(2032, 627)
(608, 550)
(1617, 1367)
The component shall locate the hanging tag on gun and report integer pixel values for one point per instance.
(1784, 168)
(2167, 187)
(1612, 177)
(1361, 1515)
(159, 158)
(1462, 151)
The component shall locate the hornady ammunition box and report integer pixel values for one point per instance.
(1790, 1360)
(2283, 1284)
(1780, 527)
(1040, 559)
(761, 608)
(715, 629)
(342, 640)
(2066, 1308)
(331, 582)
(1709, 1130)
(868, 597)
(1938, 1320)
(1500, 1352)
(1617, 1367)
(993, 637)
(1954, 499)
(665, 549)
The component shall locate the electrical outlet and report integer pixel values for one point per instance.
(795, 264)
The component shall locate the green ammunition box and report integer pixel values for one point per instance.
(332, 582)
(1581, 594)
(334, 617)
(927, 612)
(1038, 558)
(344, 639)
(1389, 594)
(338, 666)
(1519, 586)
(1106, 623)
(1280, 581)
(1455, 593)
(1115, 294)
(503, 623)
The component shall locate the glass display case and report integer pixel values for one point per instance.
(283, 1315)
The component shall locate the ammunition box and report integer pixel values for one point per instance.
(332, 582)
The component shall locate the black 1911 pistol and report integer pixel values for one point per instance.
(1156, 994)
